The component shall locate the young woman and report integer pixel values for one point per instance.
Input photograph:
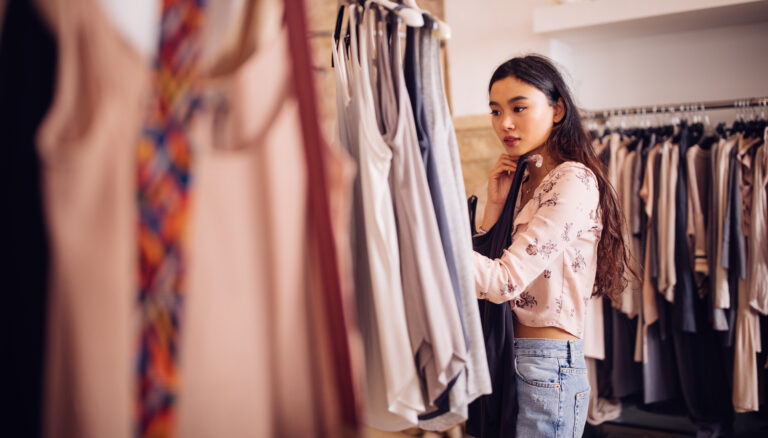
(566, 243)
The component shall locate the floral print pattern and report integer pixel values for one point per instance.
(548, 248)
(525, 300)
(567, 231)
(578, 262)
(586, 178)
(545, 250)
(508, 289)
(547, 273)
(550, 202)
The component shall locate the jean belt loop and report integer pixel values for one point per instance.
(571, 353)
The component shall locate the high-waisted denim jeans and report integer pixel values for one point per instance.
(552, 388)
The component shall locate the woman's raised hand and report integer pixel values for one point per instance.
(500, 179)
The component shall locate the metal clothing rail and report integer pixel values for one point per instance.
(690, 107)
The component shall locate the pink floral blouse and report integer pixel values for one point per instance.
(548, 271)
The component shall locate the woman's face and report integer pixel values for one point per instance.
(521, 115)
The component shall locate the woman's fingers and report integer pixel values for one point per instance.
(508, 160)
(504, 166)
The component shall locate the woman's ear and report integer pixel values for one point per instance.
(559, 113)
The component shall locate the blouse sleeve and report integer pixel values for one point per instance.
(568, 205)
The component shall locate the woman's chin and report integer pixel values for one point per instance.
(513, 151)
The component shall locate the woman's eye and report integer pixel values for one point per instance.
(495, 112)
(519, 109)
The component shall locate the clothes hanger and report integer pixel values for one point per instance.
(337, 29)
(410, 16)
(709, 135)
(440, 27)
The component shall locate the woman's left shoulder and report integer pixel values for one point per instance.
(574, 171)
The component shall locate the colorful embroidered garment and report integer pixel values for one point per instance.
(164, 160)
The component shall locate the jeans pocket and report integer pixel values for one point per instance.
(540, 371)
(580, 414)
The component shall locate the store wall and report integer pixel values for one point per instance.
(711, 64)
(485, 34)
(662, 68)
(707, 64)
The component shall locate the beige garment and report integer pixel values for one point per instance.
(746, 158)
(614, 160)
(748, 342)
(594, 330)
(669, 220)
(600, 409)
(667, 277)
(698, 164)
(746, 346)
(398, 391)
(757, 271)
(87, 145)
(649, 310)
(722, 297)
(639, 340)
(661, 223)
(249, 180)
(631, 298)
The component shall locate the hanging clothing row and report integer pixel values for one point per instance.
(414, 284)
(693, 328)
(185, 250)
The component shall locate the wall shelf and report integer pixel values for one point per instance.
(627, 18)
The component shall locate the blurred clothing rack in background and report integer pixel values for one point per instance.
(691, 107)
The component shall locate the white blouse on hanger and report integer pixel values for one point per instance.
(433, 318)
(395, 399)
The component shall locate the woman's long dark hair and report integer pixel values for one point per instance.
(569, 141)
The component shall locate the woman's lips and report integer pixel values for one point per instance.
(511, 141)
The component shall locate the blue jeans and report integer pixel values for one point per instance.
(552, 388)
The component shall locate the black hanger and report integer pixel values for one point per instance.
(695, 133)
(632, 145)
(738, 126)
(337, 30)
(472, 206)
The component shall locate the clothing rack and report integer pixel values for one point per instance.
(679, 108)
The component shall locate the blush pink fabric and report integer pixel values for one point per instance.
(548, 272)
(87, 144)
